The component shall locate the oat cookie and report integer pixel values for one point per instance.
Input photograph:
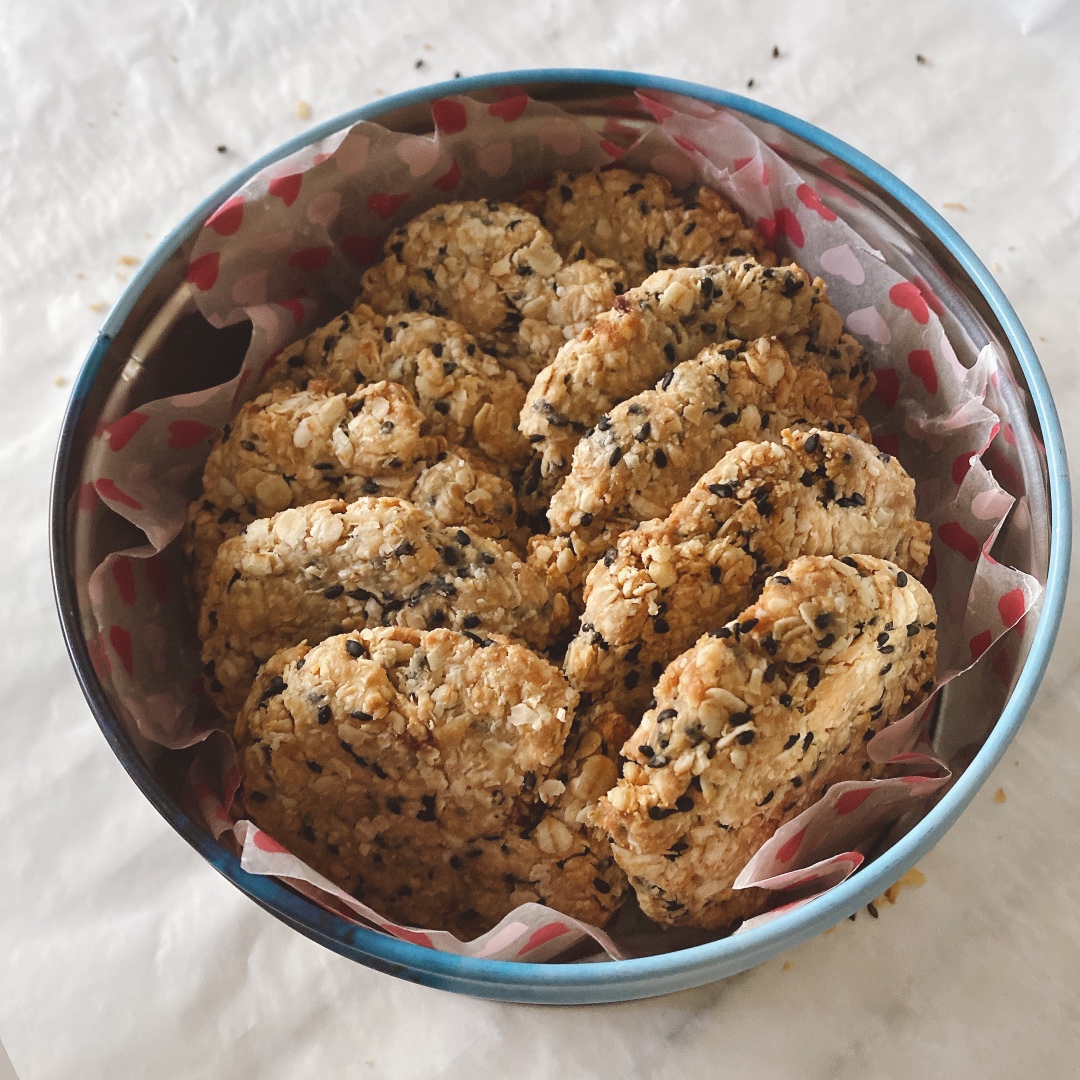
(289, 448)
(492, 267)
(406, 766)
(459, 490)
(754, 722)
(762, 505)
(640, 223)
(465, 396)
(647, 453)
(670, 318)
(317, 570)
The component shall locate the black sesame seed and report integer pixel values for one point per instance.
(658, 813)
(822, 621)
(901, 579)
(813, 677)
(927, 686)
(721, 632)
(656, 669)
(781, 579)
(665, 382)
(314, 766)
(747, 625)
(333, 592)
(324, 715)
(849, 561)
(643, 432)
(566, 192)
(600, 885)
(359, 714)
(768, 799)
(827, 641)
(603, 423)
(812, 443)
(684, 804)
(586, 520)
(630, 679)
(792, 740)
(745, 738)
(308, 833)
(428, 813)
(616, 456)
(807, 741)
(441, 407)
(660, 625)
(646, 751)
(669, 352)
(885, 670)
(451, 555)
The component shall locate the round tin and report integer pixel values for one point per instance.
(155, 316)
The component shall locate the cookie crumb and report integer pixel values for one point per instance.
(129, 260)
(913, 879)
(1000, 796)
(920, 59)
(59, 380)
(872, 910)
(457, 74)
(749, 84)
(222, 149)
(788, 965)
(954, 206)
(98, 305)
(995, 266)
(776, 52)
(303, 110)
(80, 275)
(419, 63)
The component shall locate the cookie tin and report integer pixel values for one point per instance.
(154, 317)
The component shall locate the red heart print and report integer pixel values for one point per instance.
(888, 444)
(157, 573)
(121, 432)
(417, 937)
(887, 390)
(929, 575)
(384, 204)
(124, 577)
(961, 464)
(767, 228)
(787, 224)
(929, 295)
(295, 307)
(739, 162)
(660, 112)
(688, 145)
(183, 434)
(543, 935)
(790, 847)
(107, 489)
(310, 258)
(449, 179)
(979, 644)
(268, 843)
(203, 271)
(922, 367)
(120, 640)
(850, 801)
(228, 217)
(99, 657)
(450, 116)
(1002, 666)
(510, 108)
(959, 539)
(363, 250)
(1011, 607)
(905, 295)
(286, 188)
(611, 149)
(809, 197)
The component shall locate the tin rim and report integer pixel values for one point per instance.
(666, 972)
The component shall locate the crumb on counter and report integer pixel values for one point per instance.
(955, 206)
(303, 110)
(1000, 796)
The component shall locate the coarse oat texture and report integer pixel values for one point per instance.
(668, 319)
(648, 452)
(312, 571)
(755, 721)
(415, 770)
(465, 396)
(290, 448)
(643, 225)
(764, 504)
(493, 268)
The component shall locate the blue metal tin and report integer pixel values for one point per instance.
(981, 301)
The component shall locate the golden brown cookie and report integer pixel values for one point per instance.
(754, 722)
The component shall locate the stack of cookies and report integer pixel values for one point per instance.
(561, 566)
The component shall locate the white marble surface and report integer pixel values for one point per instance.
(121, 953)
